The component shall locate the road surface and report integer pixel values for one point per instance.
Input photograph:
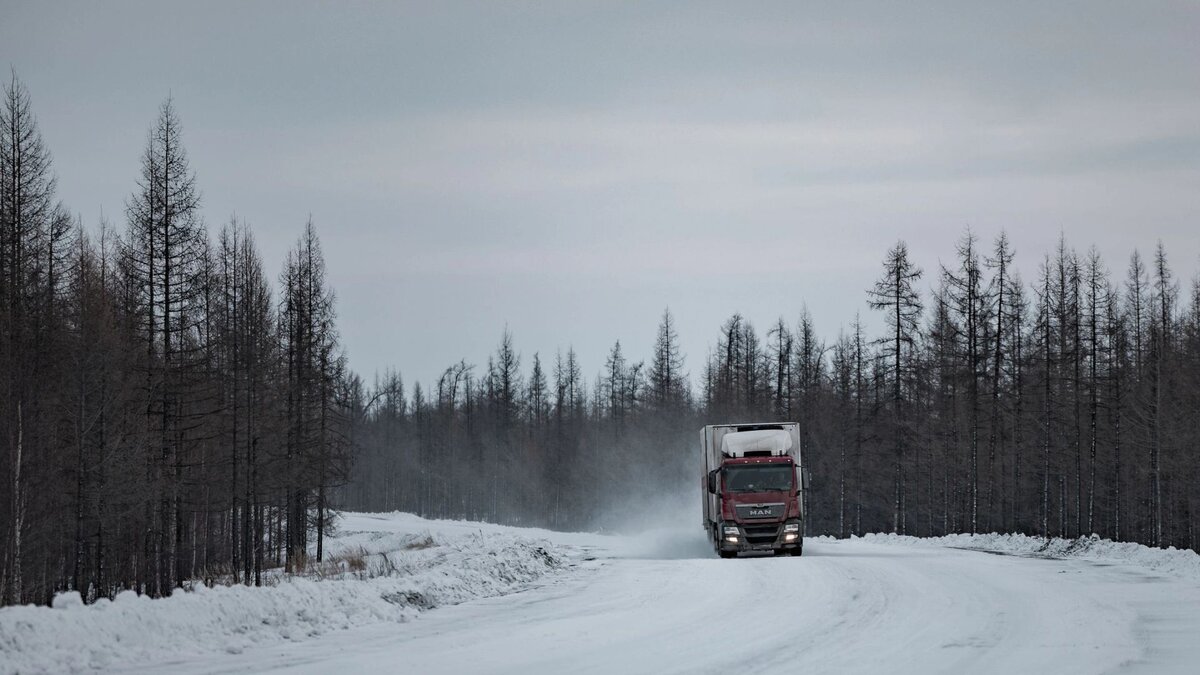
(670, 606)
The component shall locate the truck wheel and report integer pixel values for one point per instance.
(727, 554)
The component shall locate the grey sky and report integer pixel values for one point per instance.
(570, 169)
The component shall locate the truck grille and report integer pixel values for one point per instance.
(761, 534)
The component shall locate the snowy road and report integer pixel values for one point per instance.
(848, 606)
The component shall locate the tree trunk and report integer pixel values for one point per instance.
(16, 593)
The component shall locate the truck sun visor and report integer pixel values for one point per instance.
(749, 443)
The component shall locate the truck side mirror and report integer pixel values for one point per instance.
(712, 480)
(801, 479)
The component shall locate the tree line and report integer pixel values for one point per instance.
(166, 411)
(1062, 407)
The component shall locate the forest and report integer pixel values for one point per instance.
(1064, 407)
(170, 410)
(167, 412)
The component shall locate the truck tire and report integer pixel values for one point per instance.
(727, 554)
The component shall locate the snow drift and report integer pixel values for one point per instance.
(1183, 564)
(379, 576)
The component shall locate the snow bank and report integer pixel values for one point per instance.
(379, 576)
(1171, 561)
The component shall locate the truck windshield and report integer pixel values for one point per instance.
(758, 477)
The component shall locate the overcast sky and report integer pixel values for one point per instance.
(570, 169)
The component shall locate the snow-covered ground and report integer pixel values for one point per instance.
(530, 601)
(384, 570)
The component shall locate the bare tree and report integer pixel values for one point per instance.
(1095, 303)
(666, 381)
(1001, 262)
(967, 296)
(894, 294)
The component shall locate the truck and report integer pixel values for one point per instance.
(753, 488)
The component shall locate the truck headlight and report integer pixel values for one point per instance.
(791, 527)
(731, 531)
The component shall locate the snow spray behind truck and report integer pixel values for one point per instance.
(753, 487)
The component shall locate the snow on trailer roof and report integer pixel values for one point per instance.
(741, 443)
